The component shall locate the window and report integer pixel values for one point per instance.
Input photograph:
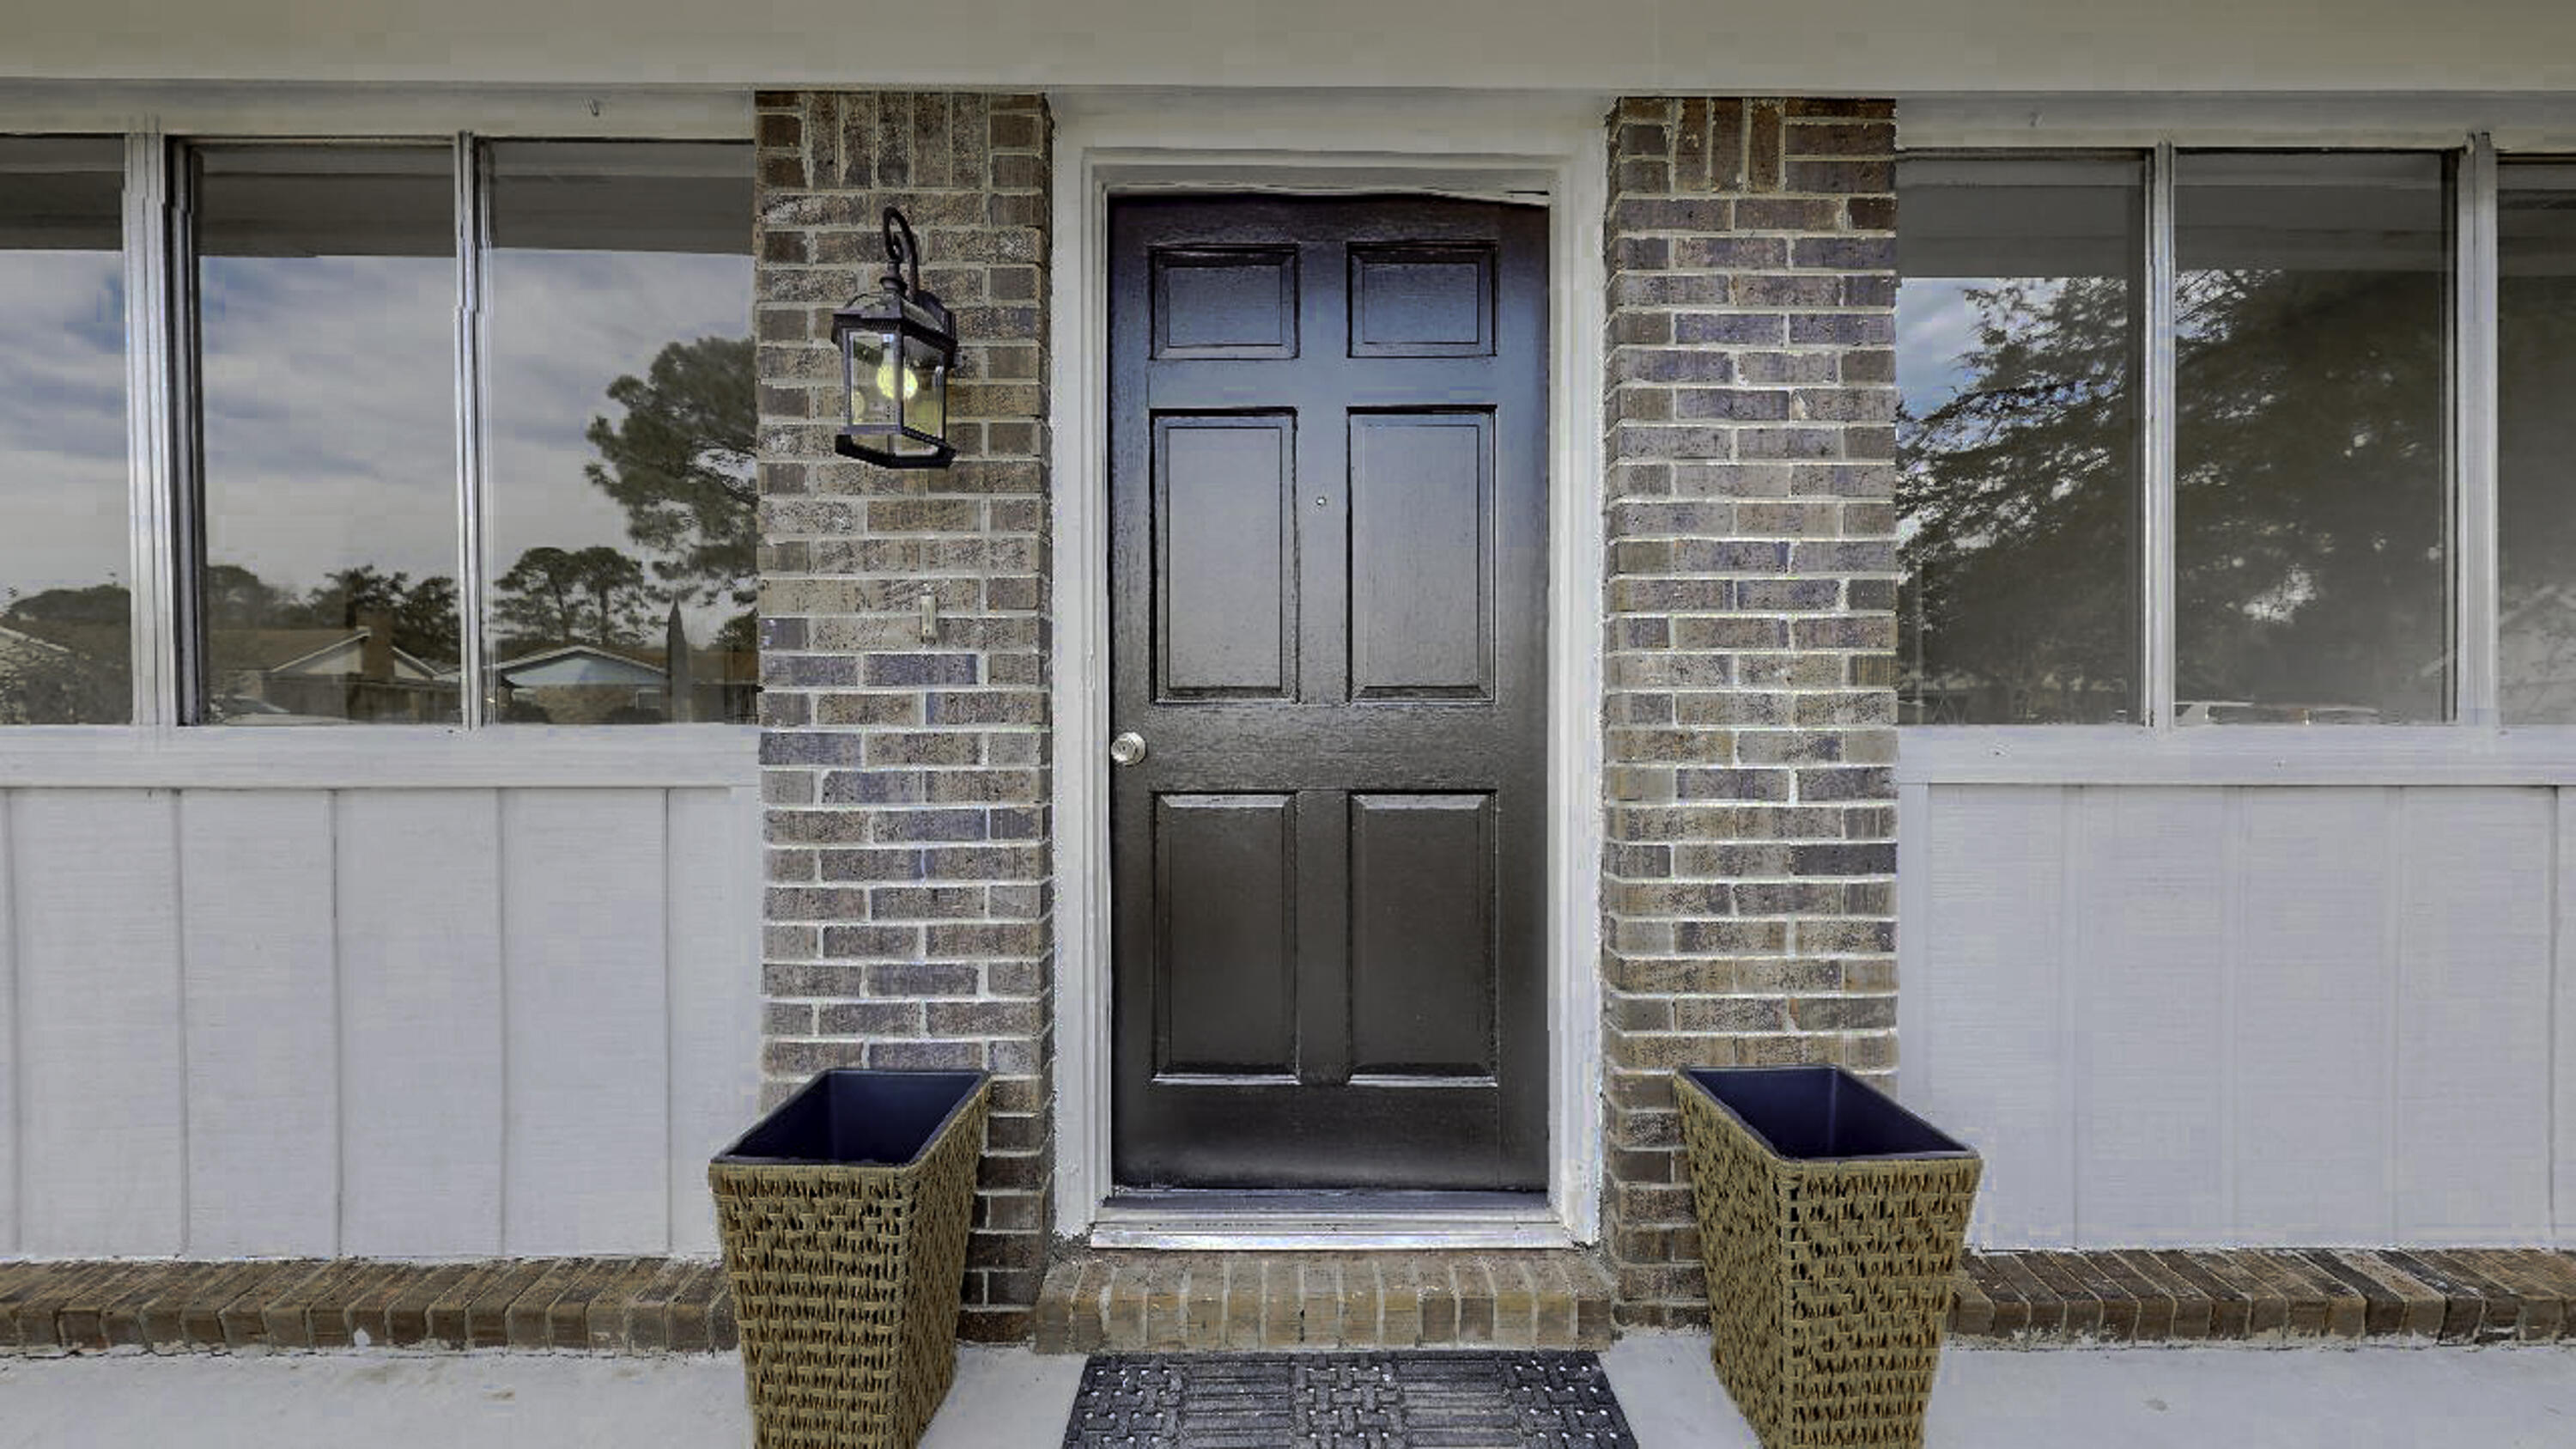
(326, 316)
(2536, 441)
(65, 610)
(2311, 448)
(2018, 351)
(618, 434)
(2182, 439)
(459, 432)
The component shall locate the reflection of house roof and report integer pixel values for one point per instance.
(18, 641)
(570, 664)
(308, 652)
(101, 641)
(706, 666)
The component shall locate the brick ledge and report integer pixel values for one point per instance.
(1134, 1300)
(605, 1305)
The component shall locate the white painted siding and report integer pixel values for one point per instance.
(2199, 1014)
(102, 1105)
(421, 1022)
(262, 1006)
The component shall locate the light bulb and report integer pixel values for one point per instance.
(886, 371)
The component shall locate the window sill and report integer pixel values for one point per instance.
(2319, 755)
(327, 757)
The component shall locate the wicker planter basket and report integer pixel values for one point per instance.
(1830, 1220)
(844, 1216)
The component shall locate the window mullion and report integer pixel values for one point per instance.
(154, 386)
(471, 232)
(2156, 533)
(2475, 560)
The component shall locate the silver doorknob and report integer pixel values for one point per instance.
(1128, 748)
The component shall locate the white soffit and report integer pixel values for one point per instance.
(1636, 46)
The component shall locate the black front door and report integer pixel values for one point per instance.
(1328, 603)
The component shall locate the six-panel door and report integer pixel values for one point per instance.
(1328, 603)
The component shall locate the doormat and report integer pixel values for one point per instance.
(1416, 1400)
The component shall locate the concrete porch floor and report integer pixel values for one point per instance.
(1011, 1398)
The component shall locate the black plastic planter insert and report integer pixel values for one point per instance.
(1804, 1113)
(881, 1119)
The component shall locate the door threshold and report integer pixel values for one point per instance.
(1195, 1220)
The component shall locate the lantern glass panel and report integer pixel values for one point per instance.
(925, 388)
(874, 389)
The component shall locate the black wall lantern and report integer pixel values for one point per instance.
(896, 351)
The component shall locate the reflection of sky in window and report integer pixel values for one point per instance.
(330, 405)
(563, 326)
(62, 420)
(1935, 328)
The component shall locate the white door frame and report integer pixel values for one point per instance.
(1534, 148)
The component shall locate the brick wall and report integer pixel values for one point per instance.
(909, 911)
(1750, 873)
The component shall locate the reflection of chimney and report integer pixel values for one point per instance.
(376, 654)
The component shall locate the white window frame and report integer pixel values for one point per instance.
(155, 749)
(2475, 747)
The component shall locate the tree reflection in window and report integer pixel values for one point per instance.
(2311, 415)
(2017, 487)
(622, 538)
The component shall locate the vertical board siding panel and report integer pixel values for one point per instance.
(103, 1096)
(583, 928)
(714, 994)
(12, 1041)
(420, 980)
(2311, 998)
(2473, 1042)
(2563, 1053)
(2151, 1042)
(1986, 1063)
(262, 1013)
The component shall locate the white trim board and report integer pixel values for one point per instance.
(358, 757)
(2378, 755)
(1525, 148)
(610, 112)
(2520, 121)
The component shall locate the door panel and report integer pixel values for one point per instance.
(1421, 560)
(1328, 586)
(1225, 556)
(1422, 936)
(1225, 885)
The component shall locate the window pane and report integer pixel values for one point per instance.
(2017, 326)
(2536, 425)
(326, 284)
(2311, 442)
(65, 653)
(619, 434)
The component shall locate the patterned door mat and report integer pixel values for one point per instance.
(1424, 1400)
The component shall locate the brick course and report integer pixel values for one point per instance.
(909, 911)
(1749, 891)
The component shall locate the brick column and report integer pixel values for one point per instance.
(1750, 874)
(909, 911)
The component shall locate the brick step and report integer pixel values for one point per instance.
(1136, 1301)
(604, 1305)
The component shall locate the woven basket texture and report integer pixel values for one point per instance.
(1828, 1281)
(846, 1280)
